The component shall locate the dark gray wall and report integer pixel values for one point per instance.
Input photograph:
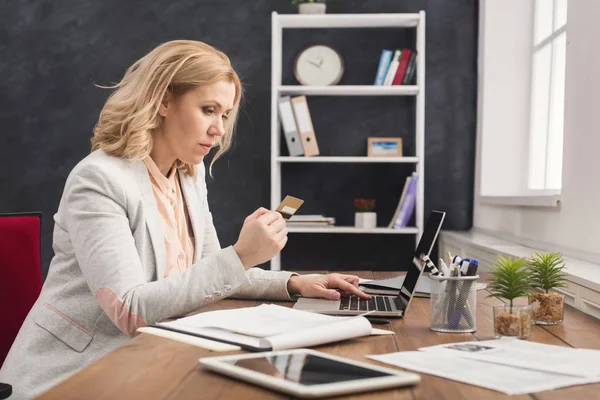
(53, 52)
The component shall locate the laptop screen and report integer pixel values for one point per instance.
(415, 268)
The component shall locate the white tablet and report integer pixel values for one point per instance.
(308, 373)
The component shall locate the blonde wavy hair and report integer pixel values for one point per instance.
(130, 114)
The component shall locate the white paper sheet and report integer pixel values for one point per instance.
(188, 339)
(502, 378)
(375, 331)
(526, 354)
(329, 333)
(260, 321)
(276, 326)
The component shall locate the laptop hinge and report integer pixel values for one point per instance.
(400, 305)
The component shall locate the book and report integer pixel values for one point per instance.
(406, 183)
(404, 59)
(411, 69)
(311, 225)
(391, 72)
(310, 221)
(305, 126)
(384, 63)
(310, 218)
(408, 204)
(270, 327)
(288, 125)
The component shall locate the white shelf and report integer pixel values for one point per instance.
(414, 21)
(320, 159)
(323, 21)
(351, 229)
(350, 90)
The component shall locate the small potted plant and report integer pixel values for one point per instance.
(509, 280)
(546, 271)
(310, 6)
(364, 217)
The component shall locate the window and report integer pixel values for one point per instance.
(547, 94)
(521, 90)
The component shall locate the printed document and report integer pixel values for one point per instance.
(525, 354)
(503, 378)
(508, 365)
(270, 325)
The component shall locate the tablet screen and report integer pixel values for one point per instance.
(306, 369)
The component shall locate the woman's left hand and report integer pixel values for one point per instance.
(330, 286)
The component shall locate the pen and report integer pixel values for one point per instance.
(465, 308)
(464, 266)
(473, 265)
(444, 271)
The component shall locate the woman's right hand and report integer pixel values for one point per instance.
(263, 235)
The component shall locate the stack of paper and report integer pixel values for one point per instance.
(310, 221)
(271, 327)
(510, 366)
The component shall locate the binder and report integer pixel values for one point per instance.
(288, 124)
(305, 126)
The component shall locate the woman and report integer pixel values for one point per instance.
(133, 238)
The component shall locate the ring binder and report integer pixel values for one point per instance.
(288, 124)
(305, 126)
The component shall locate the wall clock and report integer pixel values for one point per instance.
(318, 65)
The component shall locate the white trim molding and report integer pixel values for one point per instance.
(583, 270)
(523, 201)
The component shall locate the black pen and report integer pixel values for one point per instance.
(377, 321)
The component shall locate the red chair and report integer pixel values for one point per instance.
(20, 272)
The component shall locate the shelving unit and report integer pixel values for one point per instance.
(350, 229)
(349, 90)
(329, 21)
(325, 159)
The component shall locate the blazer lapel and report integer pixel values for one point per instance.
(191, 197)
(153, 221)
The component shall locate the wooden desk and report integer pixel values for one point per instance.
(149, 367)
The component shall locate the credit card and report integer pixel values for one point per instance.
(289, 206)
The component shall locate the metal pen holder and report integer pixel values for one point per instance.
(453, 303)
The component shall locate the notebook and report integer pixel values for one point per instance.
(270, 327)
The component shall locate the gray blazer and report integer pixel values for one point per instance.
(108, 240)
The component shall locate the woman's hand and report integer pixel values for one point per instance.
(330, 286)
(263, 235)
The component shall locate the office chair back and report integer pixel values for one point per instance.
(20, 272)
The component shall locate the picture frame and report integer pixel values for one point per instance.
(384, 147)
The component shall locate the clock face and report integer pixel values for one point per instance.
(319, 65)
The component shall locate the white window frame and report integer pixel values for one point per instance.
(538, 179)
(524, 196)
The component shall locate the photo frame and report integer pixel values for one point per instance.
(384, 147)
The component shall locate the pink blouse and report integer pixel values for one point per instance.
(179, 237)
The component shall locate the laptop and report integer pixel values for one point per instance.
(387, 306)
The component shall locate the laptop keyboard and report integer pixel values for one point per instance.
(377, 303)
